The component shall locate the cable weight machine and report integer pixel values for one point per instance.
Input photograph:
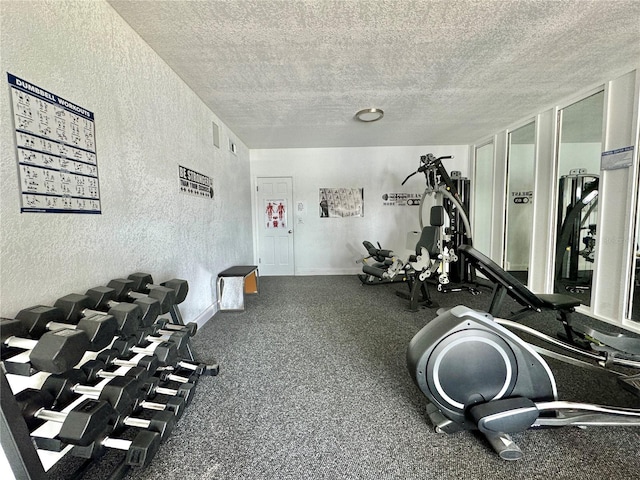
(576, 236)
(453, 194)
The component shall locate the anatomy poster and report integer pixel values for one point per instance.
(341, 202)
(275, 212)
(56, 151)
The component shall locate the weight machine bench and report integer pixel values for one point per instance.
(233, 283)
(620, 346)
(507, 284)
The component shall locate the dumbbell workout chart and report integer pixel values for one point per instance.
(56, 152)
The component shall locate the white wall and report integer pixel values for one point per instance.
(147, 122)
(332, 245)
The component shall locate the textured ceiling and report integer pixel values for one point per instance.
(292, 73)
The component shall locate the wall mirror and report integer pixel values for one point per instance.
(519, 201)
(579, 150)
(483, 198)
(635, 288)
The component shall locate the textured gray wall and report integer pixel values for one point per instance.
(147, 122)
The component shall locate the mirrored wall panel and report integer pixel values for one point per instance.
(579, 150)
(519, 201)
(635, 289)
(483, 198)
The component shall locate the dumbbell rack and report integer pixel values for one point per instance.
(24, 457)
(16, 441)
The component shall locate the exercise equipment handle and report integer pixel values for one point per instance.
(429, 161)
(409, 176)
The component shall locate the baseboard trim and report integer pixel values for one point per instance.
(205, 316)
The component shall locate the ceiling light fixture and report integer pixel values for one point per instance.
(369, 115)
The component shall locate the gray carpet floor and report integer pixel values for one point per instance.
(313, 385)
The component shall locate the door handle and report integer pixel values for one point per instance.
(290, 231)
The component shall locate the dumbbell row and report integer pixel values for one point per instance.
(58, 352)
(144, 284)
(63, 349)
(110, 404)
(145, 310)
(168, 294)
(81, 427)
(92, 441)
(141, 367)
(100, 328)
(83, 424)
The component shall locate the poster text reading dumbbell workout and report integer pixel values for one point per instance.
(56, 149)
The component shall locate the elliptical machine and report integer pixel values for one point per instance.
(477, 375)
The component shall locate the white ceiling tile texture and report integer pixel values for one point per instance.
(292, 73)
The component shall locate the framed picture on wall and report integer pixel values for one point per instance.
(341, 202)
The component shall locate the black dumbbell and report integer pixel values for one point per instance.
(140, 450)
(153, 386)
(38, 320)
(128, 394)
(171, 403)
(95, 370)
(180, 339)
(104, 298)
(76, 306)
(178, 377)
(80, 426)
(198, 369)
(165, 325)
(125, 292)
(144, 284)
(161, 422)
(121, 393)
(112, 356)
(57, 351)
(154, 333)
(166, 352)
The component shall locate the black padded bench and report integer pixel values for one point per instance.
(612, 346)
(507, 284)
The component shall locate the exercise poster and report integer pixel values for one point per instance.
(56, 152)
(275, 212)
(341, 202)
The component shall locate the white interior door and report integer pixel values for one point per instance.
(275, 226)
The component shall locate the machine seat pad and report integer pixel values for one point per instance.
(558, 301)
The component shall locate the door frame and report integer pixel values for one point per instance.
(257, 219)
